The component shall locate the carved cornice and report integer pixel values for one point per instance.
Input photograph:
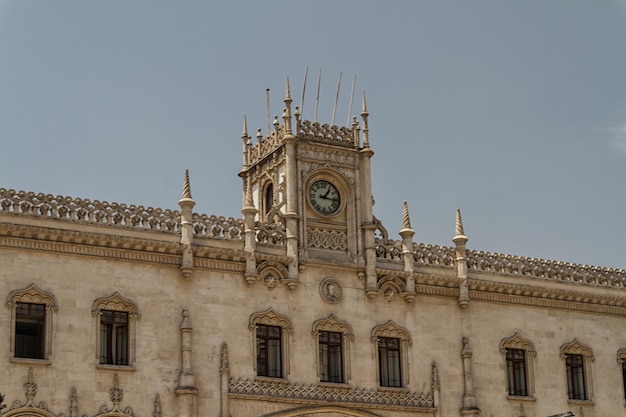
(314, 394)
(332, 324)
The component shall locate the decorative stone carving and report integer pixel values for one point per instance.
(157, 406)
(314, 393)
(331, 290)
(87, 211)
(218, 227)
(320, 154)
(270, 318)
(576, 348)
(116, 302)
(116, 394)
(386, 248)
(518, 342)
(321, 238)
(272, 272)
(274, 229)
(266, 145)
(315, 131)
(390, 329)
(332, 324)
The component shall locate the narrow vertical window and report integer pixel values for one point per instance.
(331, 356)
(30, 330)
(575, 368)
(516, 372)
(113, 337)
(624, 378)
(269, 197)
(389, 362)
(269, 351)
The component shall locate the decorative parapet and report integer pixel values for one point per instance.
(384, 247)
(542, 269)
(217, 227)
(102, 213)
(86, 211)
(314, 393)
(325, 132)
(266, 145)
(433, 255)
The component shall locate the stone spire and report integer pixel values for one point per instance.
(287, 112)
(364, 115)
(186, 204)
(407, 234)
(186, 391)
(460, 240)
(247, 143)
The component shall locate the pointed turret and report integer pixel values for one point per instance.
(186, 204)
(407, 234)
(287, 113)
(364, 116)
(460, 240)
(247, 143)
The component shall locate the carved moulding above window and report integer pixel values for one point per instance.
(116, 302)
(271, 272)
(577, 348)
(517, 342)
(33, 295)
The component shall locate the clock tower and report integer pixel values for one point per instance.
(307, 197)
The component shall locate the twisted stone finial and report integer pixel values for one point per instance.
(406, 221)
(186, 186)
(459, 223)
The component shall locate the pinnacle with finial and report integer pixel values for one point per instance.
(186, 197)
(406, 222)
(288, 91)
(364, 105)
(245, 127)
(459, 235)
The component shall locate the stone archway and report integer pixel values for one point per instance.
(321, 411)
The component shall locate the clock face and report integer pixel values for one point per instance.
(324, 197)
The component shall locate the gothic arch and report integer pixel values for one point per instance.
(518, 342)
(116, 302)
(271, 318)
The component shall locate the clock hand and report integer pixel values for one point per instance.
(326, 195)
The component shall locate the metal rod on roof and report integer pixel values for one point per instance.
(332, 123)
(351, 99)
(317, 99)
(306, 70)
(269, 116)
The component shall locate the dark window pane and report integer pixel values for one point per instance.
(30, 326)
(574, 365)
(269, 351)
(331, 356)
(516, 372)
(114, 337)
(389, 362)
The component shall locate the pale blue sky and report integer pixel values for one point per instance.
(514, 111)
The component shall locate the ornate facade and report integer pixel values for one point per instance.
(303, 306)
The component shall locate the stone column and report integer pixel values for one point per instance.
(186, 391)
(224, 379)
(470, 406)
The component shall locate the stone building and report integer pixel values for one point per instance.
(305, 306)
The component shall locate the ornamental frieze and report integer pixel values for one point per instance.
(322, 154)
(281, 391)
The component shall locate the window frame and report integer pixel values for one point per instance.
(517, 342)
(332, 324)
(271, 318)
(621, 360)
(32, 295)
(116, 303)
(390, 330)
(585, 353)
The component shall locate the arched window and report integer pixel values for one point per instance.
(268, 197)
(578, 358)
(31, 323)
(116, 317)
(519, 354)
(333, 343)
(392, 343)
(271, 343)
